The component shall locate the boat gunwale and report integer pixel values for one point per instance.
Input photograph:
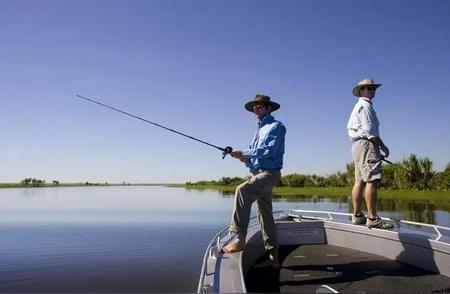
(330, 219)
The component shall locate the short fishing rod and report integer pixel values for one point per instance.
(225, 151)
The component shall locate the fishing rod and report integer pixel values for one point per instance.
(385, 160)
(394, 164)
(225, 151)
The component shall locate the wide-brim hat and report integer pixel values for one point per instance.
(364, 83)
(262, 99)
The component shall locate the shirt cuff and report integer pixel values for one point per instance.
(246, 153)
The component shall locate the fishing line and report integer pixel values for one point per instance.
(225, 151)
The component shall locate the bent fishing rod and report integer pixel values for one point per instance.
(225, 151)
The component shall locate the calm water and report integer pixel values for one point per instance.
(129, 239)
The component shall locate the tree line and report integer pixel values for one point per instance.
(35, 182)
(412, 173)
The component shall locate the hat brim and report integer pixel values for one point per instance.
(249, 105)
(357, 88)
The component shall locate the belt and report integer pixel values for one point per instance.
(260, 170)
(361, 139)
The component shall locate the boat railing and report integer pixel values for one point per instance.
(330, 214)
(208, 254)
(293, 213)
(436, 228)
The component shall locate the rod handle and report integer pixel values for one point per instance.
(226, 151)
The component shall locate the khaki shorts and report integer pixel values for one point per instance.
(367, 158)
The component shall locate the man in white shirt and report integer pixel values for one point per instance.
(363, 131)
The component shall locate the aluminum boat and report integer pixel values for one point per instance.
(323, 252)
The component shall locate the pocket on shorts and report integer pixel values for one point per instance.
(372, 167)
(373, 156)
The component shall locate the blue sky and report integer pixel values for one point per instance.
(192, 65)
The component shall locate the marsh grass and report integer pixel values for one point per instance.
(291, 192)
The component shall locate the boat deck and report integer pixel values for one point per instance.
(305, 268)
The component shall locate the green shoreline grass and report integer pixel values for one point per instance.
(290, 192)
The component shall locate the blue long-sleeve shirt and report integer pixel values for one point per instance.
(267, 148)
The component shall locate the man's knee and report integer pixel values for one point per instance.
(242, 188)
(359, 182)
(243, 192)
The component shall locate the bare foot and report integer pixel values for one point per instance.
(273, 258)
(236, 245)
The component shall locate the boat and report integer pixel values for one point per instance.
(323, 252)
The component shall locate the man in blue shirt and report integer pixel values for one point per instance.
(264, 158)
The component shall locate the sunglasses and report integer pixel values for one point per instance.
(370, 88)
(257, 106)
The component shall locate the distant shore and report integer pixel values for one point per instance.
(15, 185)
(295, 192)
(279, 192)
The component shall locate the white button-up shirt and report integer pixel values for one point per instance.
(363, 122)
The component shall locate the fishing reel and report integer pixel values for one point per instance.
(226, 151)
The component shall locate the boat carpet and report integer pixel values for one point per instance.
(305, 268)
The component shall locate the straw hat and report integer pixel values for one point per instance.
(264, 99)
(364, 83)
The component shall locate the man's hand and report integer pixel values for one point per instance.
(379, 142)
(237, 154)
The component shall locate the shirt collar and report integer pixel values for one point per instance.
(266, 120)
(365, 99)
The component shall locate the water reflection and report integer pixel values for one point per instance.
(226, 193)
(156, 204)
(424, 211)
(411, 210)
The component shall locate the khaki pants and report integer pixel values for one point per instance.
(259, 188)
